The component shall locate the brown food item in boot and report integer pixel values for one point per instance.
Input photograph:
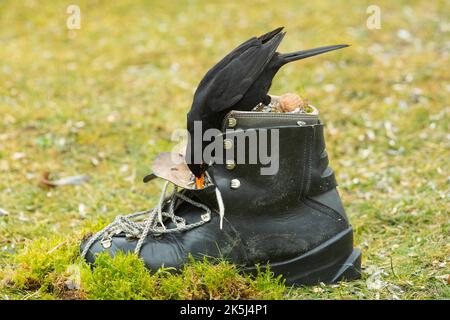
(289, 102)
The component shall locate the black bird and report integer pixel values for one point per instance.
(240, 81)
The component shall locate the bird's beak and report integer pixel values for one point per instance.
(200, 182)
(310, 52)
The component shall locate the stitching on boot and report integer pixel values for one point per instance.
(308, 181)
(313, 204)
(302, 180)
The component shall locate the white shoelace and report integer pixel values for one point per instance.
(154, 223)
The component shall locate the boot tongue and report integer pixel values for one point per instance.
(206, 196)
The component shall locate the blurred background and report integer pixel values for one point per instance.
(102, 101)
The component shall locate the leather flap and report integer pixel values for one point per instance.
(172, 167)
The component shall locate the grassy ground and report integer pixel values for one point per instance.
(103, 100)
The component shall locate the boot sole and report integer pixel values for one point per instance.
(332, 261)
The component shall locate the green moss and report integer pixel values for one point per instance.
(41, 262)
(125, 277)
(51, 268)
(122, 278)
(268, 285)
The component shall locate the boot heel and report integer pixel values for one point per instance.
(351, 269)
(334, 260)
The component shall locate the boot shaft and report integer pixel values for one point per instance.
(296, 146)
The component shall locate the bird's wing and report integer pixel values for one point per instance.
(233, 54)
(232, 82)
(225, 60)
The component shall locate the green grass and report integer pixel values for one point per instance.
(103, 101)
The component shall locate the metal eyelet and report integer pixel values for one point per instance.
(106, 243)
(227, 144)
(235, 183)
(181, 224)
(232, 122)
(205, 217)
(230, 164)
(157, 236)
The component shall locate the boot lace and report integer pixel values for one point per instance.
(134, 227)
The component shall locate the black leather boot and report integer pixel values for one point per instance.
(293, 220)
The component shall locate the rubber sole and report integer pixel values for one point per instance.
(332, 261)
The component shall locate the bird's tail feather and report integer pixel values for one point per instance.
(269, 35)
(272, 44)
(293, 56)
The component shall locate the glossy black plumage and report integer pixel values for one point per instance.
(240, 81)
